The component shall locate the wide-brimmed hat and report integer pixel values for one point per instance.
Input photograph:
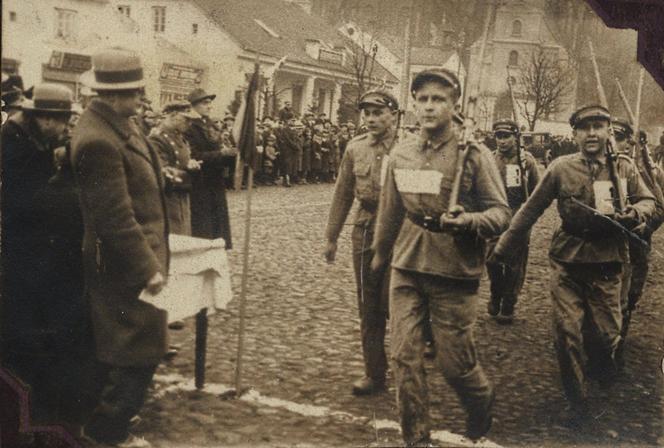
(198, 95)
(117, 69)
(52, 98)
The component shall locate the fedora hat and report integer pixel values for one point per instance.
(117, 69)
(199, 94)
(52, 98)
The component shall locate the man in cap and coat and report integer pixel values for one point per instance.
(361, 177)
(45, 321)
(177, 165)
(209, 208)
(587, 253)
(125, 246)
(437, 256)
(516, 166)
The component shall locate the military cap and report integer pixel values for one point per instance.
(176, 106)
(587, 112)
(198, 95)
(117, 69)
(505, 125)
(51, 98)
(379, 98)
(441, 75)
(622, 126)
(13, 97)
(229, 117)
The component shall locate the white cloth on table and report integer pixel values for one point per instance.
(199, 277)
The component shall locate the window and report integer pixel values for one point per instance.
(194, 28)
(125, 10)
(158, 19)
(64, 23)
(514, 58)
(516, 28)
(12, 16)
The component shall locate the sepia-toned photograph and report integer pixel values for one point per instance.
(332, 223)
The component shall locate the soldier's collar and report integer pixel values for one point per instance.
(388, 136)
(437, 142)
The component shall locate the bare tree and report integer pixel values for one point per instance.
(545, 83)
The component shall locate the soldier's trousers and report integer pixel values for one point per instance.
(452, 305)
(506, 283)
(586, 298)
(372, 302)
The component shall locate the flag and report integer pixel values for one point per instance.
(270, 72)
(244, 130)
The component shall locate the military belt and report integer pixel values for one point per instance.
(430, 223)
(587, 234)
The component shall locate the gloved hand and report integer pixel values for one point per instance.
(629, 217)
(456, 221)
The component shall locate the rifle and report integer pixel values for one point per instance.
(625, 231)
(522, 171)
(467, 142)
(619, 201)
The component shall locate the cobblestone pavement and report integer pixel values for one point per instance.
(302, 345)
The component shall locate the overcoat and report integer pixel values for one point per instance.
(125, 241)
(209, 208)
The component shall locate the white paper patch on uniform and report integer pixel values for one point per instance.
(513, 176)
(383, 169)
(418, 181)
(603, 196)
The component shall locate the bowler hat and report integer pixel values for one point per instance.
(13, 97)
(198, 95)
(52, 98)
(587, 112)
(117, 69)
(379, 98)
(441, 75)
(506, 125)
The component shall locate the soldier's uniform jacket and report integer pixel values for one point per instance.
(359, 178)
(658, 176)
(418, 183)
(583, 237)
(508, 167)
(174, 152)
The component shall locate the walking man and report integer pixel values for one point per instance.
(437, 258)
(518, 169)
(125, 242)
(587, 252)
(361, 176)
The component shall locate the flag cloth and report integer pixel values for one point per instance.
(245, 133)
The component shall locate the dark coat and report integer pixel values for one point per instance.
(126, 235)
(175, 153)
(209, 209)
(43, 309)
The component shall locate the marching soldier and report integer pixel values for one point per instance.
(587, 252)
(361, 176)
(517, 168)
(636, 270)
(438, 258)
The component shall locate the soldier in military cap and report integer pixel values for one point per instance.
(516, 167)
(361, 176)
(587, 252)
(636, 270)
(438, 258)
(177, 164)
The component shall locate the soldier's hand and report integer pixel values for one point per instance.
(629, 218)
(330, 251)
(194, 165)
(456, 221)
(155, 284)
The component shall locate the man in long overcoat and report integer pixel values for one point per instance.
(125, 244)
(209, 208)
(44, 319)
